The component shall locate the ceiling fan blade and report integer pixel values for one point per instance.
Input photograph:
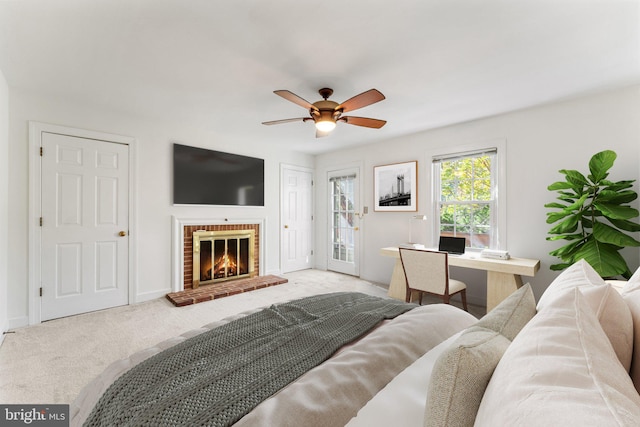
(365, 98)
(363, 121)
(290, 96)
(277, 122)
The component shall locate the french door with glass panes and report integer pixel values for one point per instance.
(344, 221)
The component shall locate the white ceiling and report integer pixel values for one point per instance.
(214, 63)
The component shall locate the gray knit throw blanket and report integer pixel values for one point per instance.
(217, 377)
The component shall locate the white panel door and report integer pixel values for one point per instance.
(344, 219)
(296, 219)
(85, 227)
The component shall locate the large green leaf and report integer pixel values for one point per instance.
(617, 197)
(575, 178)
(617, 186)
(569, 225)
(565, 237)
(566, 210)
(625, 225)
(566, 194)
(606, 234)
(560, 267)
(556, 216)
(560, 185)
(577, 204)
(568, 199)
(603, 257)
(555, 205)
(600, 163)
(565, 252)
(574, 236)
(615, 211)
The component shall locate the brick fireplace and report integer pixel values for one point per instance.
(183, 266)
(219, 256)
(228, 233)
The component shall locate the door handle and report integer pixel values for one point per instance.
(122, 233)
(286, 226)
(356, 228)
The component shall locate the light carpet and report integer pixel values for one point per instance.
(51, 362)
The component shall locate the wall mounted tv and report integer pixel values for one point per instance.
(207, 177)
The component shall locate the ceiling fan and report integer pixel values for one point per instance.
(325, 114)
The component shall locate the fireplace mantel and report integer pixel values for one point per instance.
(178, 225)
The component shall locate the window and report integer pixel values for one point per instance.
(467, 197)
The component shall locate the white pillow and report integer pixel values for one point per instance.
(578, 275)
(609, 308)
(560, 370)
(631, 295)
(635, 278)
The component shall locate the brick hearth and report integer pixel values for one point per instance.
(224, 289)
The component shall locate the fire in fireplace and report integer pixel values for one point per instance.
(222, 255)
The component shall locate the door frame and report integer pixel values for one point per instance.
(357, 167)
(36, 129)
(283, 167)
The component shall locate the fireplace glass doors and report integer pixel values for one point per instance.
(222, 255)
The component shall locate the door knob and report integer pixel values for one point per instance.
(122, 233)
(286, 226)
(356, 228)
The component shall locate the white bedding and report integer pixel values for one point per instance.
(333, 392)
(402, 401)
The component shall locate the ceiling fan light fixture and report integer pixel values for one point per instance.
(325, 119)
(326, 113)
(325, 125)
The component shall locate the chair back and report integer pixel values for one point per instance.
(426, 270)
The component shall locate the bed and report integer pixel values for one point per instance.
(568, 359)
(358, 344)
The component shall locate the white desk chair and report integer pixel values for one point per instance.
(428, 271)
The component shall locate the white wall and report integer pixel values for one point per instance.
(153, 195)
(4, 201)
(539, 141)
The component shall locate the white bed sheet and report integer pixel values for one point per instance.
(402, 402)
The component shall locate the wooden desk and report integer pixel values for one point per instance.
(503, 276)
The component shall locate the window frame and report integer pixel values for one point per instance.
(498, 183)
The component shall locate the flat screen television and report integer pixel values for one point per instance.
(207, 177)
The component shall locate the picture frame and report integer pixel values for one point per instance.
(395, 187)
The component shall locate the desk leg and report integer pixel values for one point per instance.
(398, 285)
(500, 286)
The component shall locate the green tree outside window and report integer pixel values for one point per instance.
(466, 200)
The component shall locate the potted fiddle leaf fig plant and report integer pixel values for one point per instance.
(593, 214)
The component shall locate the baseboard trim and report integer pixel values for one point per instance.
(148, 296)
(482, 302)
(18, 322)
